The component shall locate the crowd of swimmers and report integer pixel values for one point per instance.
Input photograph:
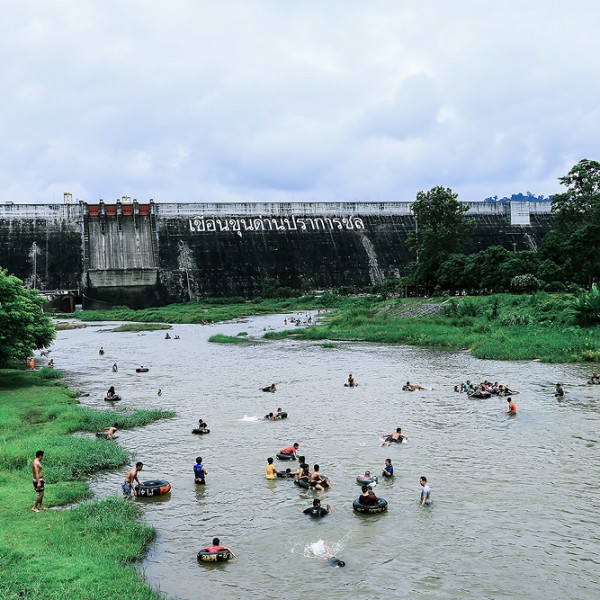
(485, 387)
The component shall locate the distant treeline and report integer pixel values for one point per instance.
(528, 196)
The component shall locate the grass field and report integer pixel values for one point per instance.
(80, 552)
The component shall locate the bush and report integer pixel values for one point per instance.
(587, 307)
(556, 286)
(525, 284)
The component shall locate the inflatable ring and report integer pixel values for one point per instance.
(220, 556)
(281, 456)
(115, 398)
(284, 475)
(304, 484)
(590, 382)
(282, 415)
(199, 431)
(381, 506)
(366, 480)
(142, 370)
(155, 487)
(481, 395)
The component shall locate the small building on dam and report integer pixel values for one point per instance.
(149, 254)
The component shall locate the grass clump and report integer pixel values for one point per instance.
(219, 338)
(133, 327)
(84, 552)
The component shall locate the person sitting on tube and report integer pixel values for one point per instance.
(368, 497)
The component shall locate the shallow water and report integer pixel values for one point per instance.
(515, 511)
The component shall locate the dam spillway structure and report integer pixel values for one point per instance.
(149, 254)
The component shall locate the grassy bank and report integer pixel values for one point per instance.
(501, 327)
(83, 552)
(220, 309)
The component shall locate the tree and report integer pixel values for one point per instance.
(578, 221)
(441, 228)
(581, 202)
(23, 325)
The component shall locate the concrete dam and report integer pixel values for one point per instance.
(136, 254)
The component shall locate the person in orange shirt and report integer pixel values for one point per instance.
(512, 409)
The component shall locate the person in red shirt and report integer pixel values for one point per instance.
(216, 547)
(512, 409)
(291, 450)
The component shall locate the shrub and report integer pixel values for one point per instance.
(587, 307)
(556, 286)
(525, 283)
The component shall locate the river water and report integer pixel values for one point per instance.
(515, 508)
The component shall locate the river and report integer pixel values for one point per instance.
(515, 508)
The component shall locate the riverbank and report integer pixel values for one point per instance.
(499, 327)
(83, 552)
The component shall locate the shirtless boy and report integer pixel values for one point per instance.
(38, 481)
(128, 487)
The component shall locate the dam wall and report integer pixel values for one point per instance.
(150, 254)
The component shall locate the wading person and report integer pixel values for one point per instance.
(128, 487)
(425, 492)
(388, 469)
(200, 472)
(38, 481)
(512, 408)
(316, 510)
(271, 470)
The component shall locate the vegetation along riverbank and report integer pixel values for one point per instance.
(83, 552)
(501, 327)
(544, 326)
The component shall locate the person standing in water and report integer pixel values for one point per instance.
(200, 472)
(388, 469)
(130, 478)
(512, 409)
(425, 492)
(271, 470)
(559, 392)
(115, 367)
(351, 382)
(38, 481)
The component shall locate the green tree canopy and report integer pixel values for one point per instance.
(23, 325)
(580, 204)
(441, 229)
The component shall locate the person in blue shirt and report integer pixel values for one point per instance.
(388, 469)
(425, 492)
(200, 472)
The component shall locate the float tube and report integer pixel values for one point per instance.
(336, 562)
(199, 431)
(284, 475)
(281, 456)
(366, 480)
(281, 415)
(142, 370)
(370, 509)
(115, 398)
(220, 556)
(155, 487)
(104, 435)
(481, 395)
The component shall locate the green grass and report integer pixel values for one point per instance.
(219, 338)
(132, 327)
(83, 552)
(501, 327)
(212, 311)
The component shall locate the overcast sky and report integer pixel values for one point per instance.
(191, 100)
